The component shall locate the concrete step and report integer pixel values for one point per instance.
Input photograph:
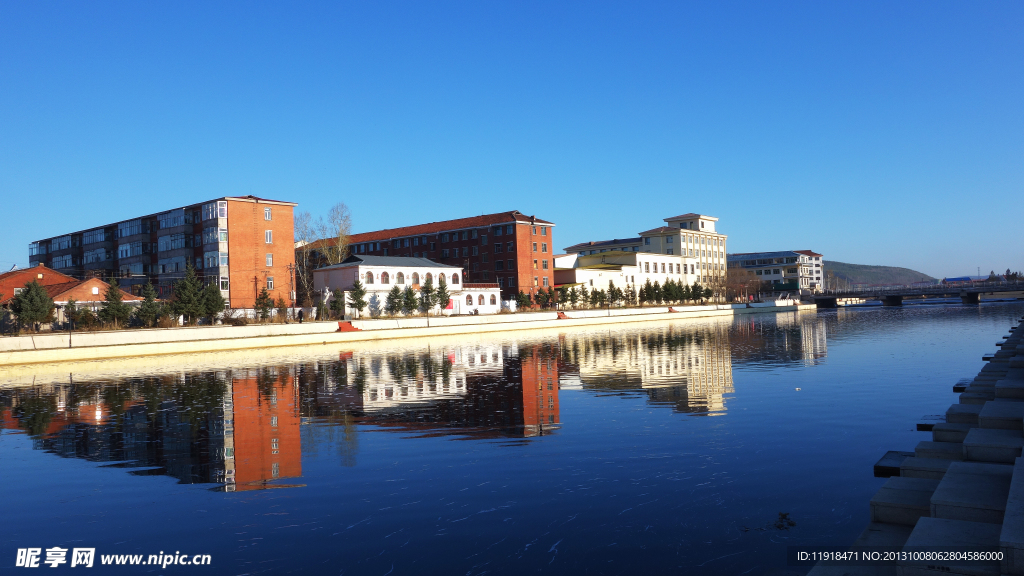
(974, 395)
(927, 422)
(876, 534)
(933, 468)
(889, 465)
(1003, 414)
(941, 450)
(903, 500)
(993, 445)
(963, 413)
(972, 491)
(1011, 538)
(950, 432)
(1010, 389)
(930, 533)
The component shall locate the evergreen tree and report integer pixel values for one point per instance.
(357, 297)
(708, 292)
(70, 312)
(213, 301)
(657, 293)
(33, 305)
(149, 310)
(594, 299)
(574, 296)
(696, 291)
(264, 304)
(337, 305)
(631, 295)
(409, 300)
(393, 303)
(541, 298)
(188, 296)
(522, 300)
(563, 295)
(647, 292)
(600, 297)
(114, 310)
(282, 309)
(684, 294)
(584, 296)
(427, 295)
(441, 295)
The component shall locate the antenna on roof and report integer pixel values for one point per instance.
(13, 268)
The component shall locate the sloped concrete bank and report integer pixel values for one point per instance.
(64, 347)
(964, 487)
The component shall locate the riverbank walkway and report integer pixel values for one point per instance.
(964, 488)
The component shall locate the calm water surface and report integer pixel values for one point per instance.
(649, 448)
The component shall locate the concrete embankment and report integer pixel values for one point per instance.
(64, 347)
(964, 487)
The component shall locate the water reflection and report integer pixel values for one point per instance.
(247, 428)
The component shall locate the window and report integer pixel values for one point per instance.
(677, 269)
(662, 267)
(268, 237)
(510, 265)
(497, 230)
(469, 300)
(534, 246)
(384, 278)
(510, 247)
(508, 229)
(476, 250)
(463, 235)
(647, 241)
(444, 253)
(369, 277)
(405, 243)
(473, 234)
(444, 237)
(535, 280)
(668, 239)
(534, 264)
(432, 247)
(416, 241)
(544, 247)
(266, 214)
(429, 277)
(224, 284)
(455, 278)
(647, 267)
(499, 265)
(534, 229)
(668, 251)
(775, 271)
(544, 264)
(497, 248)
(483, 239)
(270, 260)
(415, 278)
(400, 278)
(172, 218)
(270, 282)
(545, 281)
(543, 230)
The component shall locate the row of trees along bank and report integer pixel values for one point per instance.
(191, 303)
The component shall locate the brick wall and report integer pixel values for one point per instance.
(247, 250)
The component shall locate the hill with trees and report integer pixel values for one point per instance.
(867, 274)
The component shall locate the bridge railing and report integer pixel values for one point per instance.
(910, 290)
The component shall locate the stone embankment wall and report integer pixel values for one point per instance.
(961, 490)
(60, 347)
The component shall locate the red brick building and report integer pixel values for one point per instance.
(241, 243)
(510, 248)
(15, 280)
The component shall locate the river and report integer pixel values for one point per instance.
(694, 446)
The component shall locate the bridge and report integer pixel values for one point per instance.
(969, 293)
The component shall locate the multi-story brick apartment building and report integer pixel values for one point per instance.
(510, 248)
(243, 243)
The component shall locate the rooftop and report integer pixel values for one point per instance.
(601, 244)
(513, 216)
(394, 261)
(779, 254)
(690, 216)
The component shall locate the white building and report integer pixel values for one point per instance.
(790, 270)
(379, 274)
(689, 235)
(623, 269)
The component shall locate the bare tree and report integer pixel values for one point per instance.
(332, 233)
(305, 257)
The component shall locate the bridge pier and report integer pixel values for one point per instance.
(970, 297)
(892, 300)
(827, 302)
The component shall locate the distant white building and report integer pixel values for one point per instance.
(786, 270)
(379, 274)
(623, 269)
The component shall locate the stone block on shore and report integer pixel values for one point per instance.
(963, 413)
(941, 450)
(973, 491)
(993, 445)
(951, 431)
(903, 500)
(889, 464)
(916, 467)
(953, 535)
(1006, 415)
(1011, 537)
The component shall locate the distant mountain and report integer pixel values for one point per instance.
(865, 274)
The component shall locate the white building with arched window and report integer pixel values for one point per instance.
(379, 274)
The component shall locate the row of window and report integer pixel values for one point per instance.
(480, 300)
(385, 278)
(217, 209)
(445, 237)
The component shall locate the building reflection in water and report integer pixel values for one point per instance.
(243, 428)
(791, 338)
(688, 368)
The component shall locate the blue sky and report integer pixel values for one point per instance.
(875, 133)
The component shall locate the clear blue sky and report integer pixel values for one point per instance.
(873, 132)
